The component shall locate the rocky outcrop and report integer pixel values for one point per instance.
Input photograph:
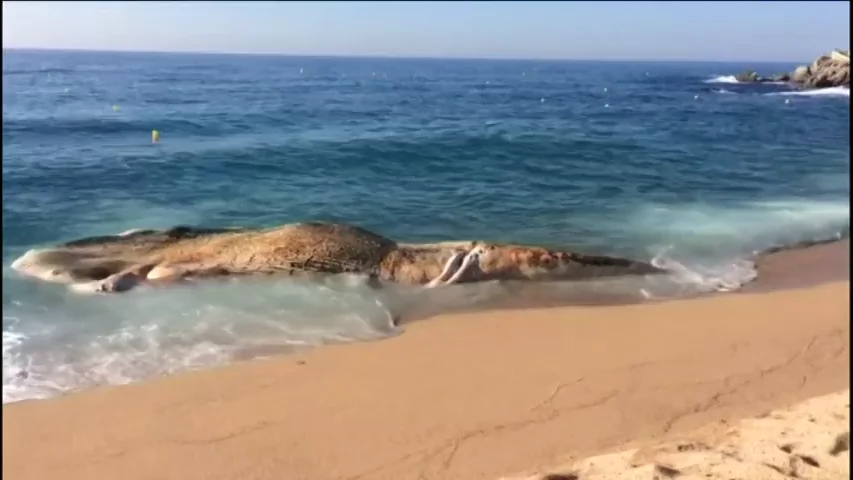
(801, 74)
(831, 70)
(751, 76)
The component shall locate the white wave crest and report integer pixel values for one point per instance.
(821, 92)
(722, 79)
(711, 248)
(720, 276)
(723, 91)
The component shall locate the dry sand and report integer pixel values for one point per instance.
(809, 440)
(474, 396)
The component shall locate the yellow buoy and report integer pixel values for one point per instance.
(155, 136)
(115, 108)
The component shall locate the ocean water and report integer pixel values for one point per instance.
(669, 161)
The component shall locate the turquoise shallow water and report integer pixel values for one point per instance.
(666, 160)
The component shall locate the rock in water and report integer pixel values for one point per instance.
(831, 70)
(800, 74)
(830, 75)
(748, 76)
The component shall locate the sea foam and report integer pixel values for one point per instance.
(820, 92)
(723, 79)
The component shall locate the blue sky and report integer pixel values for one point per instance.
(770, 31)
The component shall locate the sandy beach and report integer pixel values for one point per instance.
(426, 241)
(807, 440)
(486, 395)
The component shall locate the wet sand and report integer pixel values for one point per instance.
(803, 267)
(469, 396)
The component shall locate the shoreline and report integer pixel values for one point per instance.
(801, 265)
(463, 396)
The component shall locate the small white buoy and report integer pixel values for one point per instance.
(67, 90)
(696, 97)
(488, 82)
(605, 89)
(116, 108)
(541, 100)
(787, 100)
(301, 70)
(606, 105)
(523, 74)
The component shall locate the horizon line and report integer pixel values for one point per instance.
(383, 56)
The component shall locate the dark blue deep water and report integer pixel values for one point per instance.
(666, 160)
